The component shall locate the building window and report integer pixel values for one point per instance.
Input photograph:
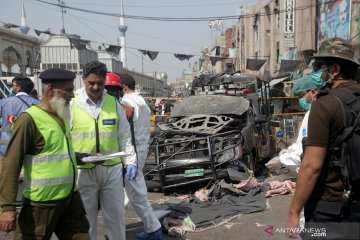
(256, 33)
(277, 52)
(277, 14)
(256, 27)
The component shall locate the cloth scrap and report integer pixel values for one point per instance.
(202, 194)
(246, 185)
(280, 188)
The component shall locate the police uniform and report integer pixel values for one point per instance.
(41, 145)
(10, 108)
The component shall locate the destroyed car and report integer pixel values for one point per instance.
(208, 137)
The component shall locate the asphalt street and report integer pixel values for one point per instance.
(246, 226)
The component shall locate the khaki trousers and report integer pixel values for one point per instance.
(67, 221)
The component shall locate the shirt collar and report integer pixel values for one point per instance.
(85, 98)
(21, 93)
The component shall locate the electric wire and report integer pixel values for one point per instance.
(173, 19)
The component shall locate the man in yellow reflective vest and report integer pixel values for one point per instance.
(99, 127)
(40, 143)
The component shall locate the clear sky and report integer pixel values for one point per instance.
(163, 36)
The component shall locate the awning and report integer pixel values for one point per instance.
(278, 80)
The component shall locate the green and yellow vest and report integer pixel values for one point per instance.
(99, 135)
(51, 174)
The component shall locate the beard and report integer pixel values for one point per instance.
(61, 107)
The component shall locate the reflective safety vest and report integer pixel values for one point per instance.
(51, 174)
(99, 135)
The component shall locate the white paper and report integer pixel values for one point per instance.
(104, 157)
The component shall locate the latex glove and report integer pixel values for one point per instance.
(274, 164)
(131, 172)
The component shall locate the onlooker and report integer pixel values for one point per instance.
(167, 107)
(152, 106)
(160, 105)
(100, 127)
(40, 144)
(319, 188)
(11, 107)
(137, 190)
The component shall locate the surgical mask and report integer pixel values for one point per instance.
(317, 79)
(304, 104)
(11, 92)
(317, 74)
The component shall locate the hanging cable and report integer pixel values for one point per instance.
(194, 19)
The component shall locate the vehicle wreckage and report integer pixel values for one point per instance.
(209, 137)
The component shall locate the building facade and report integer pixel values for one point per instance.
(275, 30)
(18, 49)
(150, 84)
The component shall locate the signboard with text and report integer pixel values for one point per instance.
(333, 20)
(289, 23)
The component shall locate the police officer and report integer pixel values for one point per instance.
(100, 127)
(40, 144)
(11, 107)
(319, 187)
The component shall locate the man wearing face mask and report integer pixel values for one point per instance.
(137, 190)
(306, 88)
(40, 144)
(319, 188)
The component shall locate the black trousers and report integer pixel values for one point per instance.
(329, 220)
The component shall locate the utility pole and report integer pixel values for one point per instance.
(142, 63)
(62, 9)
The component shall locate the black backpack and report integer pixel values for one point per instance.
(347, 144)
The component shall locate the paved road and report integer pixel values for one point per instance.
(242, 227)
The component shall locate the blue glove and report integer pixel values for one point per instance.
(131, 172)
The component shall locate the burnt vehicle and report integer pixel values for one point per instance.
(210, 137)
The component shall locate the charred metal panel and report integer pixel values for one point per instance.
(197, 124)
(211, 105)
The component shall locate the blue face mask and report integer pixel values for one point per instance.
(304, 104)
(12, 92)
(317, 74)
